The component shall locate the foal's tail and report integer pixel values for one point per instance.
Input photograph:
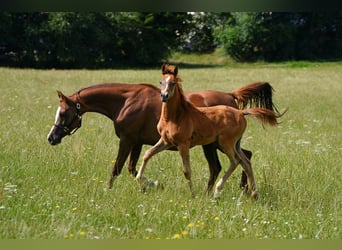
(258, 94)
(266, 116)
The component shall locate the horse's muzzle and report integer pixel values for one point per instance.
(164, 97)
(53, 139)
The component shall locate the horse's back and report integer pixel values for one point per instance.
(224, 117)
(207, 98)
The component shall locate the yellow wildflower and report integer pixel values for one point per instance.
(176, 236)
(185, 233)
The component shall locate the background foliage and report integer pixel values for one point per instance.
(112, 39)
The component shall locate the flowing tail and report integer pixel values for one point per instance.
(258, 94)
(266, 116)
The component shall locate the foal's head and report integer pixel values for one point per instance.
(169, 81)
(68, 119)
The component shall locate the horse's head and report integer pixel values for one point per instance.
(68, 119)
(168, 82)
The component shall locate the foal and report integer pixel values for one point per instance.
(183, 125)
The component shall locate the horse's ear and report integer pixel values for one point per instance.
(176, 70)
(163, 68)
(61, 95)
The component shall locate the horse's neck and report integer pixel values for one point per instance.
(175, 107)
(102, 101)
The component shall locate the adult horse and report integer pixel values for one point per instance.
(135, 111)
(183, 125)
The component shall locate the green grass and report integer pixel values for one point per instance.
(61, 192)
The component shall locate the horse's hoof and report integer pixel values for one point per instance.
(159, 185)
(255, 195)
(217, 194)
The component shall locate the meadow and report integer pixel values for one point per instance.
(60, 192)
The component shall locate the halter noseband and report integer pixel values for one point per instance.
(66, 128)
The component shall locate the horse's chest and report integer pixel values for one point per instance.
(173, 133)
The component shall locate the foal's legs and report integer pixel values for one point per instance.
(158, 147)
(214, 164)
(124, 149)
(234, 161)
(246, 164)
(184, 152)
(243, 182)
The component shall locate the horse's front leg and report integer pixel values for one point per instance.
(184, 152)
(124, 149)
(158, 147)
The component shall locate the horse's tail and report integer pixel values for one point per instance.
(266, 116)
(258, 94)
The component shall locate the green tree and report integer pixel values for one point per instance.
(282, 36)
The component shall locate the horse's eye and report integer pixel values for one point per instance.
(161, 82)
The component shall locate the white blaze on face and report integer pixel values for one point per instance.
(167, 82)
(56, 118)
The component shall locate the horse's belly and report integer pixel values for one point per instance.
(202, 138)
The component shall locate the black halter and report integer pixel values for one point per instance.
(78, 116)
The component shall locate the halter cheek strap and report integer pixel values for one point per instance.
(77, 116)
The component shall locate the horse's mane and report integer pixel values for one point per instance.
(99, 85)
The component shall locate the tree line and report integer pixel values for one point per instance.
(113, 39)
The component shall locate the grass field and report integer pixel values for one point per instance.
(61, 192)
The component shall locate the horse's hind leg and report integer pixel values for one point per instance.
(214, 164)
(134, 157)
(227, 146)
(243, 182)
(124, 149)
(233, 164)
(246, 164)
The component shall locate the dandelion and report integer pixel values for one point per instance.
(185, 233)
(82, 233)
(184, 217)
(217, 218)
(74, 209)
(57, 206)
(176, 236)
(199, 223)
(191, 225)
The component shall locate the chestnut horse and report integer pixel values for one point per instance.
(135, 111)
(183, 125)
